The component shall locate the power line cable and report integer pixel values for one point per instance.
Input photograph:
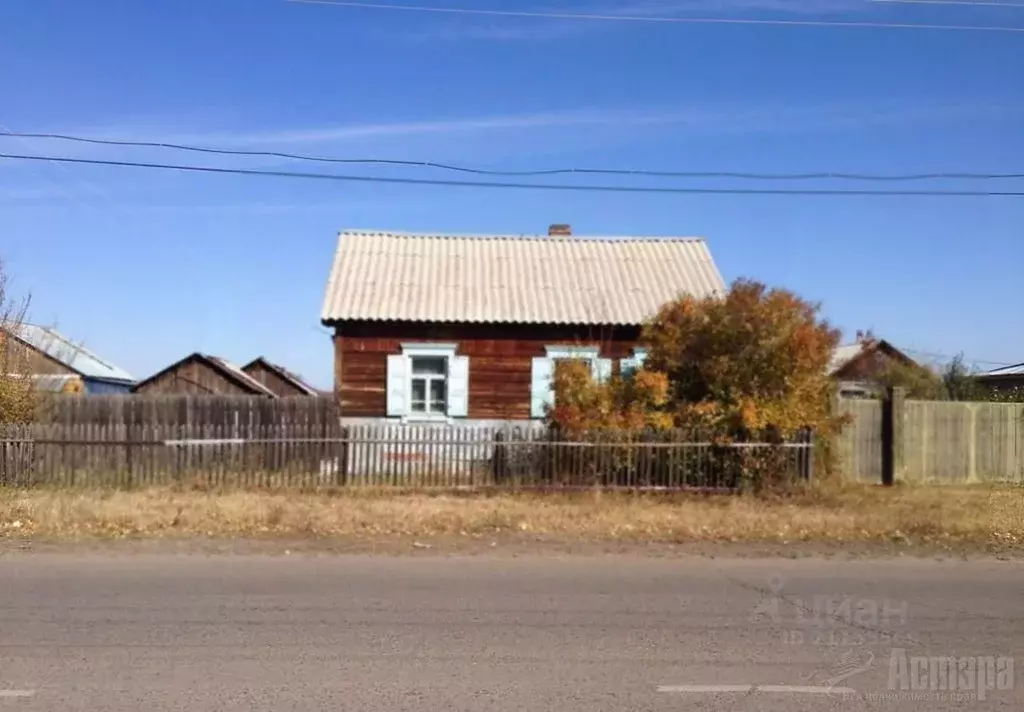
(60, 188)
(948, 357)
(657, 19)
(544, 172)
(509, 184)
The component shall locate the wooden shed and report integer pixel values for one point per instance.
(201, 374)
(450, 328)
(277, 378)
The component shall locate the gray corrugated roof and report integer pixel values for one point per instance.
(1015, 370)
(843, 354)
(72, 355)
(506, 278)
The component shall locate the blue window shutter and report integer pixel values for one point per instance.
(542, 394)
(398, 385)
(602, 369)
(458, 386)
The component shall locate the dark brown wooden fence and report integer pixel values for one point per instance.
(228, 441)
(142, 440)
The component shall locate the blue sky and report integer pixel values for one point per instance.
(145, 267)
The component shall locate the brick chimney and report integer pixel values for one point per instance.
(560, 230)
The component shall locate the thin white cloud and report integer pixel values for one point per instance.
(512, 29)
(703, 119)
(419, 128)
(729, 7)
(490, 140)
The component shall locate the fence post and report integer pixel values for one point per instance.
(500, 461)
(892, 434)
(809, 453)
(341, 475)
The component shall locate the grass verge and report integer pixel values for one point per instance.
(942, 516)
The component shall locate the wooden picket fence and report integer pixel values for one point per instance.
(221, 441)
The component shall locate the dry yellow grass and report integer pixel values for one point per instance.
(976, 515)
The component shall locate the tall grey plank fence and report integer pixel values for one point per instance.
(940, 442)
(859, 445)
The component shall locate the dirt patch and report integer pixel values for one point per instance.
(499, 546)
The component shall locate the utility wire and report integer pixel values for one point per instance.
(69, 194)
(657, 19)
(507, 184)
(545, 172)
(947, 357)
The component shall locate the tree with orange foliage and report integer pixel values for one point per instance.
(753, 360)
(752, 364)
(583, 404)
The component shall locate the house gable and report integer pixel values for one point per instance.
(858, 366)
(278, 379)
(201, 374)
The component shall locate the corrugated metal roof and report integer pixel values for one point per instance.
(72, 355)
(843, 354)
(506, 278)
(1015, 370)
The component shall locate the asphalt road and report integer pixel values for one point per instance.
(106, 632)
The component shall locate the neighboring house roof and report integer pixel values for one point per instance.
(74, 356)
(845, 354)
(284, 373)
(221, 365)
(1016, 371)
(505, 278)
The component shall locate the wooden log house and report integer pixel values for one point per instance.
(467, 329)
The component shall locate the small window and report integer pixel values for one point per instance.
(561, 363)
(429, 385)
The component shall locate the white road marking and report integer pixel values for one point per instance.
(17, 693)
(796, 689)
(808, 689)
(705, 688)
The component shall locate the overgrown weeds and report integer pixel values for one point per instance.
(826, 513)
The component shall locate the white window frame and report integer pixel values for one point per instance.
(600, 368)
(427, 350)
(636, 361)
(590, 354)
